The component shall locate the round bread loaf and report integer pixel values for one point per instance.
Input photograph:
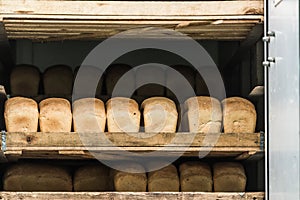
(55, 115)
(164, 180)
(239, 115)
(21, 115)
(25, 80)
(229, 177)
(36, 177)
(58, 80)
(195, 177)
(123, 115)
(204, 114)
(89, 115)
(160, 115)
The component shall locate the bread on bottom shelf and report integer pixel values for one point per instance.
(21, 115)
(160, 115)
(239, 115)
(195, 177)
(130, 182)
(229, 177)
(58, 80)
(204, 114)
(37, 177)
(92, 178)
(25, 80)
(55, 115)
(89, 115)
(164, 180)
(123, 115)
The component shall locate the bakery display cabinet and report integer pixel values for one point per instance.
(256, 51)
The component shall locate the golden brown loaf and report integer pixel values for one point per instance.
(89, 115)
(239, 115)
(160, 115)
(58, 80)
(55, 115)
(21, 115)
(37, 177)
(204, 114)
(229, 177)
(195, 177)
(25, 80)
(91, 178)
(165, 179)
(123, 115)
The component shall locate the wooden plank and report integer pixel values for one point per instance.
(133, 195)
(131, 8)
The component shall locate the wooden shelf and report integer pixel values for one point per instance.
(76, 20)
(132, 195)
(71, 145)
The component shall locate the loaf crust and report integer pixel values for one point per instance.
(239, 115)
(55, 115)
(21, 115)
(36, 177)
(229, 177)
(160, 115)
(89, 115)
(123, 115)
(164, 180)
(204, 114)
(195, 177)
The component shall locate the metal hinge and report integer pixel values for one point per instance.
(262, 140)
(3, 141)
(267, 39)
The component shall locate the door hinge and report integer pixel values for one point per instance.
(267, 39)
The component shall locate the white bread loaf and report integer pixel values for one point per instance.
(25, 80)
(160, 115)
(130, 182)
(113, 75)
(204, 114)
(146, 76)
(239, 115)
(21, 115)
(195, 177)
(88, 75)
(91, 178)
(188, 74)
(58, 80)
(36, 177)
(89, 115)
(55, 115)
(164, 180)
(123, 115)
(229, 177)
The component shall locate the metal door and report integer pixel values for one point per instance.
(282, 99)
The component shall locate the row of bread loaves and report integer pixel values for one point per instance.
(203, 114)
(193, 176)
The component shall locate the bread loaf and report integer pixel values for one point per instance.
(55, 115)
(164, 180)
(204, 114)
(91, 178)
(149, 81)
(130, 182)
(187, 73)
(58, 80)
(114, 73)
(160, 115)
(239, 115)
(36, 177)
(229, 177)
(195, 177)
(89, 115)
(25, 80)
(123, 115)
(21, 115)
(90, 76)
